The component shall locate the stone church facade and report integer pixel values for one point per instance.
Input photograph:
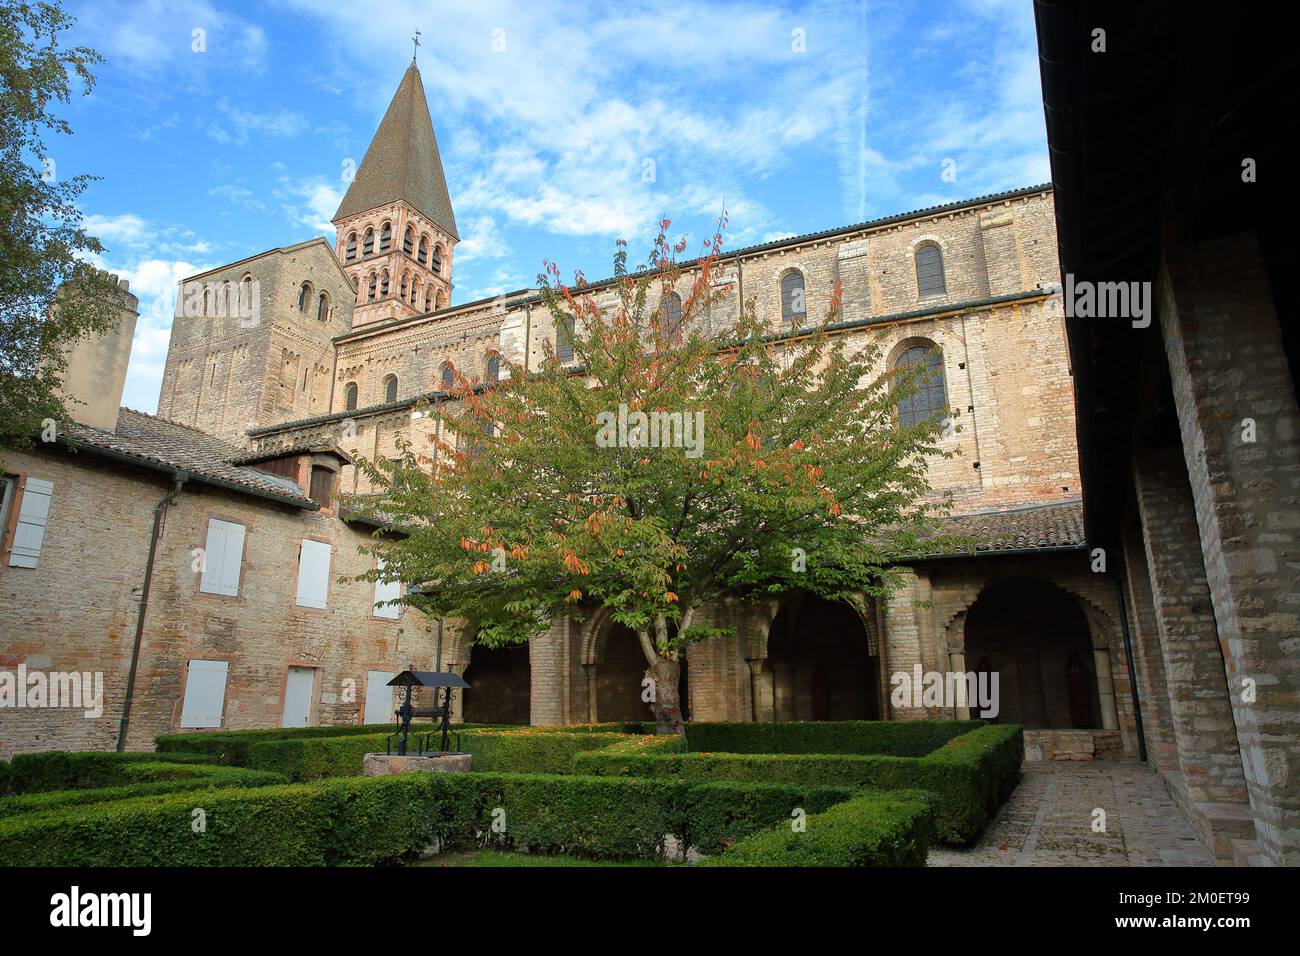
(198, 557)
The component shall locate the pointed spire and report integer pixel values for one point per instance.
(403, 161)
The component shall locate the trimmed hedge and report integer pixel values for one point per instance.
(65, 770)
(870, 830)
(232, 746)
(218, 777)
(970, 774)
(899, 738)
(373, 820)
(524, 750)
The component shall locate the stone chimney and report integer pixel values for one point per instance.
(96, 373)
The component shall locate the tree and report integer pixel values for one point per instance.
(49, 296)
(678, 460)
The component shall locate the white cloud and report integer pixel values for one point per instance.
(310, 202)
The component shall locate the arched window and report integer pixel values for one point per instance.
(794, 310)
(227, 303)
(246, 296)
(383, 283)
(406, 282)
(408, 240)
(929, 271)
(304, 296)
(368, 243)
(350, 397)
(439, 300)
(207, 301)
(670, 313)
(385, 236)
(492, 369)
(428, 300)
(437, 258)
(370, 288)
(350, 251)
(564, 340)
(423, 256)
(931, 395)
(448, 377)
(415, 292)
(390, 388)
(323, 307)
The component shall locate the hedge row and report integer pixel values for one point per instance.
(375, 820)
(216, 777)
(970, 774)
(64, 770)
(523, 750)
(232, 746)
(870, 830)
(899, 738)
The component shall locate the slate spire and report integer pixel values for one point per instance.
(403, 162)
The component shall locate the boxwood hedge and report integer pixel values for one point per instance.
(970, 774)
(66, 770)
(899, 738)
(373, 820)
(518, 750)
(870, 830)
(215, 777)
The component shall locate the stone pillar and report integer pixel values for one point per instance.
(549, 680)
(902, 639)
(760, 684)
(1153, 686)
(1189, 641)
(1231, 384)
(1105, 689)
(957, 665)
(589, 673)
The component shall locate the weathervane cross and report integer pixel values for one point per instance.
(415, 50)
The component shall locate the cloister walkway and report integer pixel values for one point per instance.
(1048, 821)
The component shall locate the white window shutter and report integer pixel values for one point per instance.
(223, 556)
(387, 591)
(29, 533)
(379, 697)
(205, 694)
(232, 559)
(313, 574)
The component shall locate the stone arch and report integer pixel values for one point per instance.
(1040, 638)
(818, 662)
(500, 680)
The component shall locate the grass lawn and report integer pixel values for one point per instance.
(499, 858)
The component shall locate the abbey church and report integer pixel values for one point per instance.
(199, 557)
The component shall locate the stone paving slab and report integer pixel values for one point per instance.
(1048, 821)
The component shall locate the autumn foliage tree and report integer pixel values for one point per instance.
(558, 498)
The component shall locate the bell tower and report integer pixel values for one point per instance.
(395, 227)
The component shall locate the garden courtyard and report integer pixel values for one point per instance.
(846, 793)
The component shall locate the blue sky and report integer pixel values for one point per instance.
(549, 115)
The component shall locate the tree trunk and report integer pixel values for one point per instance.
(667, 705)
(666, 674)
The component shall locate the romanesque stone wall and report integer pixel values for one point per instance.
(227, 373)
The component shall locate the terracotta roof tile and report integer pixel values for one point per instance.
(156, 441)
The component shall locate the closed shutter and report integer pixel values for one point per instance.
(223, 558)
(313, 574)
(205, 694)
(379, 698)
(387, 591)
(29, 533)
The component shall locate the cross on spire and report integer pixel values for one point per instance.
(416, 49)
